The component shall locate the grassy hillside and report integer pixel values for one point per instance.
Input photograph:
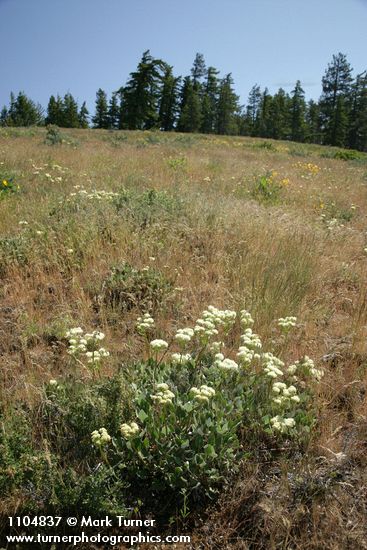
(98, 228)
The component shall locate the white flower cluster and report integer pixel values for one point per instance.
(158, 345)
(205, 329)
(145, 323)
(180, 358)
(54, 384)
(285, 395)
(86, 344)
(308, 366)
(272, 365)
(213, 318)
(184, 335)
(282, 424)
(220, 317)
(286, 323)
(202, 394)
(245, 355)
(246, 319)
(251, 340)
(224, 363)
(164, 395)
(94, 194)
(100, 438)
(129, 430)
(215, 347)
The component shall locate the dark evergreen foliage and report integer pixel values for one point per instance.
(154, 98)
(101, 117)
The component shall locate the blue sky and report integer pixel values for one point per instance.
(56, 46)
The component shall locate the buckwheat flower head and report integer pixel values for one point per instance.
(97, 335)
(145, 323)
(292, 369)
(246, 319)
(272, 365)
(129, 430)
(282, 424)
(245, 355)
(289, 422)
(225, 364)
(184, 335)
(285, 396)
(307, 365)
(158, 345)
(163, 395)
(74, 332)
(100, 438)
(202, 394)
(178, 358)
(251, 340)
(215, 347)
(286, 323)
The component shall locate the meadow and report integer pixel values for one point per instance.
(183, 334)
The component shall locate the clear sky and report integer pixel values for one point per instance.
(56, 46)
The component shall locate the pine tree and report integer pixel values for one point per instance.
(278, 127)
(24, 112)
(55, 110)
(313, 129)
(209, 101)
(265, 122)
(140, 96)
(113, 112)
(83, 116)
(11, 110)
(70, 114)
(168, 102)
(298, 113)
(4, 115)
(251, 119)
(336, 83)
(357, 138)
(228, 107)
(198, 71)
(100, 118)
(190, 108)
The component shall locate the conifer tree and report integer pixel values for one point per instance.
(100, 118)
(55, 110)
(11, 110)
(24, 112)
(113, 112)
(278, 119)
(209, 101)
(357, 138)
(70, 114)
(140, 96)
(278, 127)
(298, 113)
(313, 129)
(190, 108)
(168, 102)
(198, 71)
(252, 116)
(83, 116)
(336, 83)
(264, 114)
(4, 115)
(228, 107)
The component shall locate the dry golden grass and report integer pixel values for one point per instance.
(223, 247)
